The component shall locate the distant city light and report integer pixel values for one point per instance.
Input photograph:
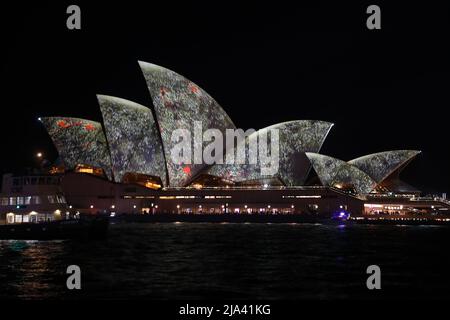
(341, 215)
(39, 154)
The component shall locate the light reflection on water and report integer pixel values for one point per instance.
(232, 261)
(27, 267)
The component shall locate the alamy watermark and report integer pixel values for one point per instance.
(249, 147)
(373, 22)
(73, 282)
(374, 280)
(73, 21)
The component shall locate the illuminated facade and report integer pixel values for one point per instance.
(139, 146)
(178, 104)
(385, 168)
(340, 174)
(32, 198)
(295, 138)
(79, 142)
(136, 147)
(133, 139)
(124, 165)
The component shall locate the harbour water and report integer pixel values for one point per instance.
(233, 261)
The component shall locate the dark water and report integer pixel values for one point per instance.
(233, 261)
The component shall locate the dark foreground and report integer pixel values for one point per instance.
(233, 261)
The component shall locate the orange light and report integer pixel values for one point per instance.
(152, 185)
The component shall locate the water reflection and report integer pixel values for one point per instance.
(231, 261)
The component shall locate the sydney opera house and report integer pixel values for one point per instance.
(124, 165)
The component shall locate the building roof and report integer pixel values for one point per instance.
(295, 138)
(337, 173)
(137, 142)
(79, 141)
(133, 138)
(381, 165)
(178, 104)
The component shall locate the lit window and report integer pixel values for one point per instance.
(18, 218)
(12, 201)
(10, 217)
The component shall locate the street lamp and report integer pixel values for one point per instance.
(40, 161)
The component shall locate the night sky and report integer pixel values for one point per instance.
(384, 89)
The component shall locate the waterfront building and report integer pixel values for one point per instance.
(123, 165)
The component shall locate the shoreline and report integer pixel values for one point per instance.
(269, 218)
